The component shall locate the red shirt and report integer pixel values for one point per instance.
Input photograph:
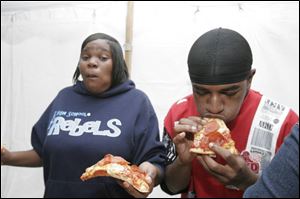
(202, 183)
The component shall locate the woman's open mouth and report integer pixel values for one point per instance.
(91, 76)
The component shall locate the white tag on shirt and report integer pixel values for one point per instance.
(265, 129)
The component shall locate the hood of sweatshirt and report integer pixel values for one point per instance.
(80, 88)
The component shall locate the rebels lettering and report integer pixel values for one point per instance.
(74, 128)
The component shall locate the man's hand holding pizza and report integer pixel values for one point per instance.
(235, 173)
(185, 128)
(206, 131)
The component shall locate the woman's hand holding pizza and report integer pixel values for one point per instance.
(152, 175)
(138, 181)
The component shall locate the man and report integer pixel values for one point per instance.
(220, 71)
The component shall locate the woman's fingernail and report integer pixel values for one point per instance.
(149, 179)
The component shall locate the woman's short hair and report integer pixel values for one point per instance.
(120, 70)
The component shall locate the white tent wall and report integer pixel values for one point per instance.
(40, 46)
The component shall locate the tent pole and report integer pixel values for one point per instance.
(128, 42)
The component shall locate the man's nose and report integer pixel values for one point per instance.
(215, 104)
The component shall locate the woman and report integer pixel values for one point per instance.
(104, 113)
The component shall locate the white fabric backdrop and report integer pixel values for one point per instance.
(40, 46)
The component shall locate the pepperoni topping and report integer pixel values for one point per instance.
(211, 127)
(214, 137)
(217, 138)
(108, 158)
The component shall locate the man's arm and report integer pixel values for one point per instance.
(178, 172)
(177, 176)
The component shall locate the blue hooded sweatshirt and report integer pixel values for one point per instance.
(79, 128)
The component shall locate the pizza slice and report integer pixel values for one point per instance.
(216, 131)
(119, 168)
(131, 174)
(100, 168)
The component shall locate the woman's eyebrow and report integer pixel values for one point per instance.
(97, 48)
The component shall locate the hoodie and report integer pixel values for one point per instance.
(79, 128)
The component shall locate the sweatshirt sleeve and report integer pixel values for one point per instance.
(148, 146)
(39, 132)
(281, 178)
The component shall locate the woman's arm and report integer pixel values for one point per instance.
(20, 158)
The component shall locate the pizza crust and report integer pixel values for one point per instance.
(202, 152)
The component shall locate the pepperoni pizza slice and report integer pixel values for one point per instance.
(117, 167)
(216, 131)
